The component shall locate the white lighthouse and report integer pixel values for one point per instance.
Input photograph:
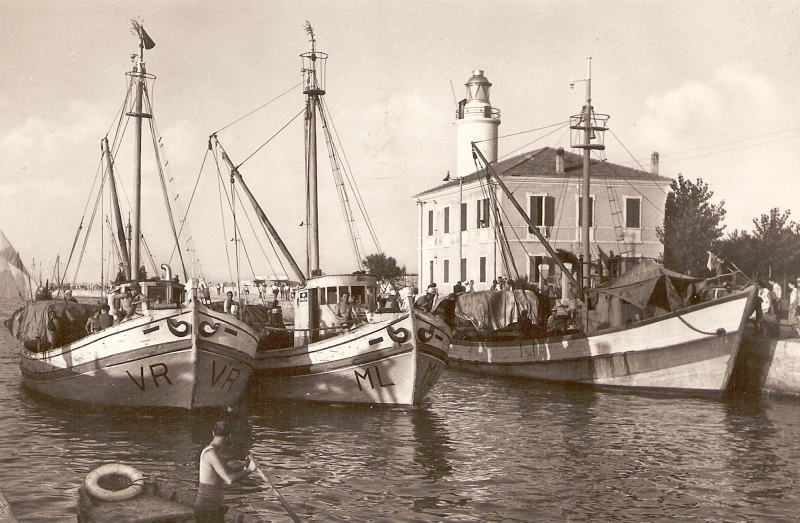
(477, 122)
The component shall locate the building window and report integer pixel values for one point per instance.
(483, 269)
(633, 213)
(580, 211)
(430, 272)
(463, 269)
(446, 277)
(483, 213)
(430, 223)
(446, 220)
(542, 209)
(463, 216)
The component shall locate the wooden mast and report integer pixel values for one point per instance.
(313, 89)
(138, 76)
(261, 215)
(120, 243)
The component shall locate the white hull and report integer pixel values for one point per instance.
(685, 352)
(374, 363)
(187, 358)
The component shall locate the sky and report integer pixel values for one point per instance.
(710, 85)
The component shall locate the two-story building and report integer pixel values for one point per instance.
(460, 220)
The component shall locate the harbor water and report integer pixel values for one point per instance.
(477, 449)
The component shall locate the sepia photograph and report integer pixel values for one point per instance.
(432, 261)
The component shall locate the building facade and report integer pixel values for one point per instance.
(460, 220)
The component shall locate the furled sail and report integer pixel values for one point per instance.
(15, 282)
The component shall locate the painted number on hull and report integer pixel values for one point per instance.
(157, 371)
(159, 374)
(431, 374)
(377, 382)
(233, 375)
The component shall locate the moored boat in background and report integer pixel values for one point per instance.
(649, 328)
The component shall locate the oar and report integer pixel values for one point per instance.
(285, 505)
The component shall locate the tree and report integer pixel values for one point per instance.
(772, 249)
(384, 267)
(692, 226)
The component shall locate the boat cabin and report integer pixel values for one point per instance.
(315, 313)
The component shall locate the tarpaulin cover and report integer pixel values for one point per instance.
(648, 283)
(494, 310)
(29, 324)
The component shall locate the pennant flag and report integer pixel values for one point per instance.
(148, 42)
(137, 26)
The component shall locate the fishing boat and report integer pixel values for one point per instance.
(647, 328)
(169, 350)
(124, 495)
(385, 357)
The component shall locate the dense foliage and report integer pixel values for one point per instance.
(692, 226)
(384, 267)
(772, 249)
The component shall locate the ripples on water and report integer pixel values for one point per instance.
(477, 450)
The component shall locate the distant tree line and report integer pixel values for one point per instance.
(693, 228)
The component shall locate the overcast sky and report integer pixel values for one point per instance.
(712, 86)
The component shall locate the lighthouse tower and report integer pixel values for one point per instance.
(477, 122)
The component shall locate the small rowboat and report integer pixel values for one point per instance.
(152, 500)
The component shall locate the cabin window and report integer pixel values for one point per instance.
(483, 268)
(430, 223)
(446, 277)
(463, 269)
(331, 295)
(633, 213)
(483, 213)
(357, 294)
(463, 216)
(446, 220)
(580, 211)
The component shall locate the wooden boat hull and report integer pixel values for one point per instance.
(374, 363)
(694, 350)
(186, 358)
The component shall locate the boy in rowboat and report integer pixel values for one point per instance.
(209, 507)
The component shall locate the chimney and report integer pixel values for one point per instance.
(654, 163)
(560, 160)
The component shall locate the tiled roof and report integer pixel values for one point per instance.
(542, 162)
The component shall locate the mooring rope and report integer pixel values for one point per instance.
(719, 332)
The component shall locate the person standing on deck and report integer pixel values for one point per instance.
(209, 507)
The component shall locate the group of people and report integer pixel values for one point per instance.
(769, 304)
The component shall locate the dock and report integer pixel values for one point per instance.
(6, 516)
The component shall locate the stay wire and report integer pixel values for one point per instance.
(259, 108)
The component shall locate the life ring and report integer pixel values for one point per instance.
(114, 469)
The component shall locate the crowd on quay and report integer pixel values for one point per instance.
(769, 305)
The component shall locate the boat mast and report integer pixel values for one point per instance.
(588, 126)
(236, 175)
(313, 89)
(585, 192)
(138, 78)
(120, 240)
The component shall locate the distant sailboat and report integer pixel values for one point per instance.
(169, 351)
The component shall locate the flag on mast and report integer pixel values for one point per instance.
(142, 34)
(713, 264)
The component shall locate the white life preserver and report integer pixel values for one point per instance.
(114, 469)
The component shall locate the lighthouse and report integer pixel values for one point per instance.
(477, 121)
